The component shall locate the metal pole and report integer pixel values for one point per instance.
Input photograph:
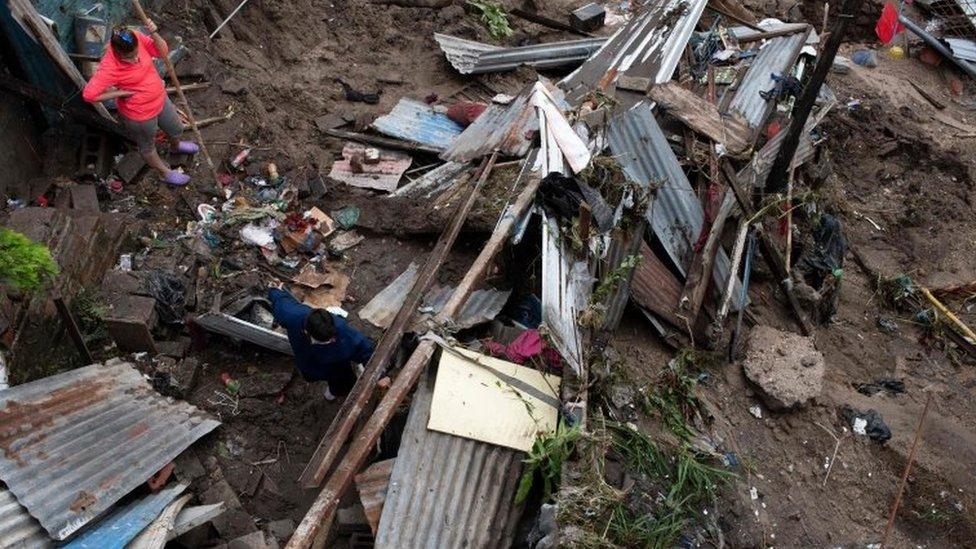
(934, 43)
(229, 17)
(778, 173)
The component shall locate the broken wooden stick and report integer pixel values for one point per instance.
(189, 87)
(908, 468)
(68, 320)
(963, 329)
(141, 13)
(315, 526)
(356, 402)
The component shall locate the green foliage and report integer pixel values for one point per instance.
(674, 395)
(612, 280)
(89, 310)
(493, 17)
(24, 264)
(549, 452)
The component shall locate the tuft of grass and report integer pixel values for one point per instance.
(545, 461)
(25, 265)
(674, 396)
(90, 311)
(493, 17)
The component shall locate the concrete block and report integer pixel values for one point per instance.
(84, 197)
(130, 167)
(130, 321)
(36, 223)
(587, 18)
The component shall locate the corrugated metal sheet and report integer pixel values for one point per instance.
(231, 326)
(481, 306)
(505, 128)
(75, 443)
(446, 491)
(372, 485)
(470, 57)
(777, 56)
(384, 175)
(418, 122)
(383, 308)
(648, 46)
(656, 288)
(756, 171)
(962, 48)
(125, 523)
(675, 214)
(566, 288)
(434, 181)
(17, 527)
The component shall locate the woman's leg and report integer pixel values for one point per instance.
(169, 121)
(144, 134)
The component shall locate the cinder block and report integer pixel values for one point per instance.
(84, 198)
(588, 18)
(130, 322)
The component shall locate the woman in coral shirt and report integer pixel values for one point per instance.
(128, 75)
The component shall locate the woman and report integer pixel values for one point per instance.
(128, 75)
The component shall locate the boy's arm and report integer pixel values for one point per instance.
(287, 311)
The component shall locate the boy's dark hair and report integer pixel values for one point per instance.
(123, 40)
(319, 325)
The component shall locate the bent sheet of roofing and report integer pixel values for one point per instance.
(509, 130)
(566, 288)
(777, 56)
(73, 444)
(126, 522)
(648, 46)
(446, 491)
(418, 122)
(675, 213)
(470, 57)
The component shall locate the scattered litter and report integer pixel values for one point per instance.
(756, 411)
(343, 240)
(887, 325)
(346, 218)
(868, 423)
(352, 94)
(259, 236)
(886, 385)
(865, 58)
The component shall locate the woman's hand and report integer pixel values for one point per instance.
(151, 26)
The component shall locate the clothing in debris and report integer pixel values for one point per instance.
(332, 362)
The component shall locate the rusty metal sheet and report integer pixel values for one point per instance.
(418, 122)
(372, 485)
(446, 491)
(470, 57)
(75, 443)
(383, 175)
(505, 128)
(648, 46)
(777, 56)
(383, 308)
(656, 288)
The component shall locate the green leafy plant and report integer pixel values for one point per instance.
(24, 264)
(493, 17)
(612, 280)
(549, 452)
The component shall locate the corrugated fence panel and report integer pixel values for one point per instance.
(75, 443)
(446, 491)
(777, 57)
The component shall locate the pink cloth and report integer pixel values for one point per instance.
(527, 345)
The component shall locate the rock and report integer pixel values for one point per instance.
(84, 198)
(842, 65)
(233, 86)
(254, 540)
(281, 529)
(786, 368)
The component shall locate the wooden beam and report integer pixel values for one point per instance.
(700, 272)
(731, 130)
(547, 22)
(356, 402)
(315, 526)
(765, 35)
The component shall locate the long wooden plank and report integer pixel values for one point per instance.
(357, 400)
(314, 527)
(731, 130)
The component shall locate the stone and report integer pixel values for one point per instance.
(130, 166)
(233, 86)
(84, 198)
(329, 121)
(587, 18)
(130, 321)
(786, 368)
(280, 529)
(175, 349)
(189, 467)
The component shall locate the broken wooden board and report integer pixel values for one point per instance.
(731, 130)
(491, 400)
(372, 484)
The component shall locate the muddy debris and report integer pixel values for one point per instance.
(786, 368)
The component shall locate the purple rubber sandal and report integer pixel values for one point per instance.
(187, 147)
(176, 178)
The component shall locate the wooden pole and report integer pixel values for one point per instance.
(315, 525)
(179, 92)
(72, 327)
(355, 403)
(784, 158)
(908, 468)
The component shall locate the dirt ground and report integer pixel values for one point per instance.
(900, 181)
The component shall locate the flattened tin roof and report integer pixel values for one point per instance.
(17, 527)
(777, 57)
(470, 57)
(73, 444)
(418, 122)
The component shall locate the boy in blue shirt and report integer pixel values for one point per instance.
(326, 347)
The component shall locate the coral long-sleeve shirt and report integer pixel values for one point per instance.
(141, 78)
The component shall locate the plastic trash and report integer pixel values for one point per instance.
(868, 423)
(865, 58)
(259, 236)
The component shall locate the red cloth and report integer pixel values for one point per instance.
(888, 25)
(465, 112)
(140, 78)
(527, 345)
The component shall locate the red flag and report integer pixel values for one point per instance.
(888, 25)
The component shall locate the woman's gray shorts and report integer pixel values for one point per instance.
(144, 133)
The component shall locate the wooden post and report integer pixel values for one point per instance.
(315, 525)
(778, 173)
(356, 401)
(179, 92)
(72, 327)
(908, 468)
